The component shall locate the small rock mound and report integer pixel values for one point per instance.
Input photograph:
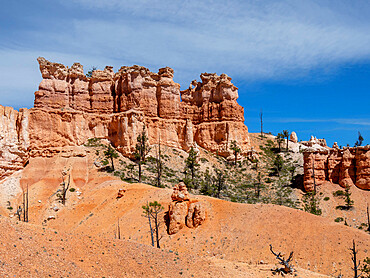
(184, 211)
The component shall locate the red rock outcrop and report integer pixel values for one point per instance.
(134, 96)
(346, 167)
(184, 211)
(71, 107)
(14, 140)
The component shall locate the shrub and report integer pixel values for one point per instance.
(326, 199)
(72, 189)
(338, 193)
(204, 160)
(339, 219)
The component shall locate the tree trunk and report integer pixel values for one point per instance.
(150, 225)
(287, 141)
(368, 219)
(354, 260)
(24, 206)
(27, 205)
(192, 176)
(157, 229)
(261, 124)
(111, 159)
(139, 171)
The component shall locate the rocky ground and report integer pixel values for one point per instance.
(79, 239)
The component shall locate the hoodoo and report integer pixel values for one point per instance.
(71, 107)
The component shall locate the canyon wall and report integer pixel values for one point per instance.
(346, 167)
(122, 103)
(14, 139)
(70, 108)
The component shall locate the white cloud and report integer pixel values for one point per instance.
(343, 121)
(251, 40)
(254, 40)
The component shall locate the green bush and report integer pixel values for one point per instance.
(339, 219)
(326, 199)
(93, 142)
(72, 189)
(338, 193)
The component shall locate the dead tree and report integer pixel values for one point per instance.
(147, 214)
(65, 186)
(153, 211)
(24, 208)
(288, 268)
(261, 114)
(313, 176)
(356, 263)
(19, 213)
(118, 229)
(159, 164)
(368, 219)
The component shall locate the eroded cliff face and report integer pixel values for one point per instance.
(70, 108)
(14, 140)
(133, 97)
(346, 167)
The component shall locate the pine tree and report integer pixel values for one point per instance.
(141, 150)
(153, 211)
(192, 166)
(360, 140)
(159, 165)
(219, 181)
(311, 203)
(347, 198)
(236, 149)
(111, 153)
(286, 135)
(279, 139)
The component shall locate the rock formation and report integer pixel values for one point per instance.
(14, 140)
(346, 167)
(293, 137)
(70, 108)
(184, 211)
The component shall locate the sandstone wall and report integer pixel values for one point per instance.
(346, 167)
(207, 113)
(14, 140)
(70, 108)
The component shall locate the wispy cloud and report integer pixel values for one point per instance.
(347, 121)
(256, 39)
(252, 40)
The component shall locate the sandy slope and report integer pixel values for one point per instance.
(234, 238)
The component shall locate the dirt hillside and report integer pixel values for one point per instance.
(232, 242)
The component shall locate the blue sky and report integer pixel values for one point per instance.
(306, 64)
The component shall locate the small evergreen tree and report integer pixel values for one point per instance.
(159, 166)
(286, 135)
(153, 212)
(89, 73)
(219, 181)
(311, 203)
(279, 139)
(141, 150)
(192, 166)
(258, 185)
(235, 148)
(366, 268)
(278, 164)
(360, 140)
(206, 185)
(111, 153)
(347, 198)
